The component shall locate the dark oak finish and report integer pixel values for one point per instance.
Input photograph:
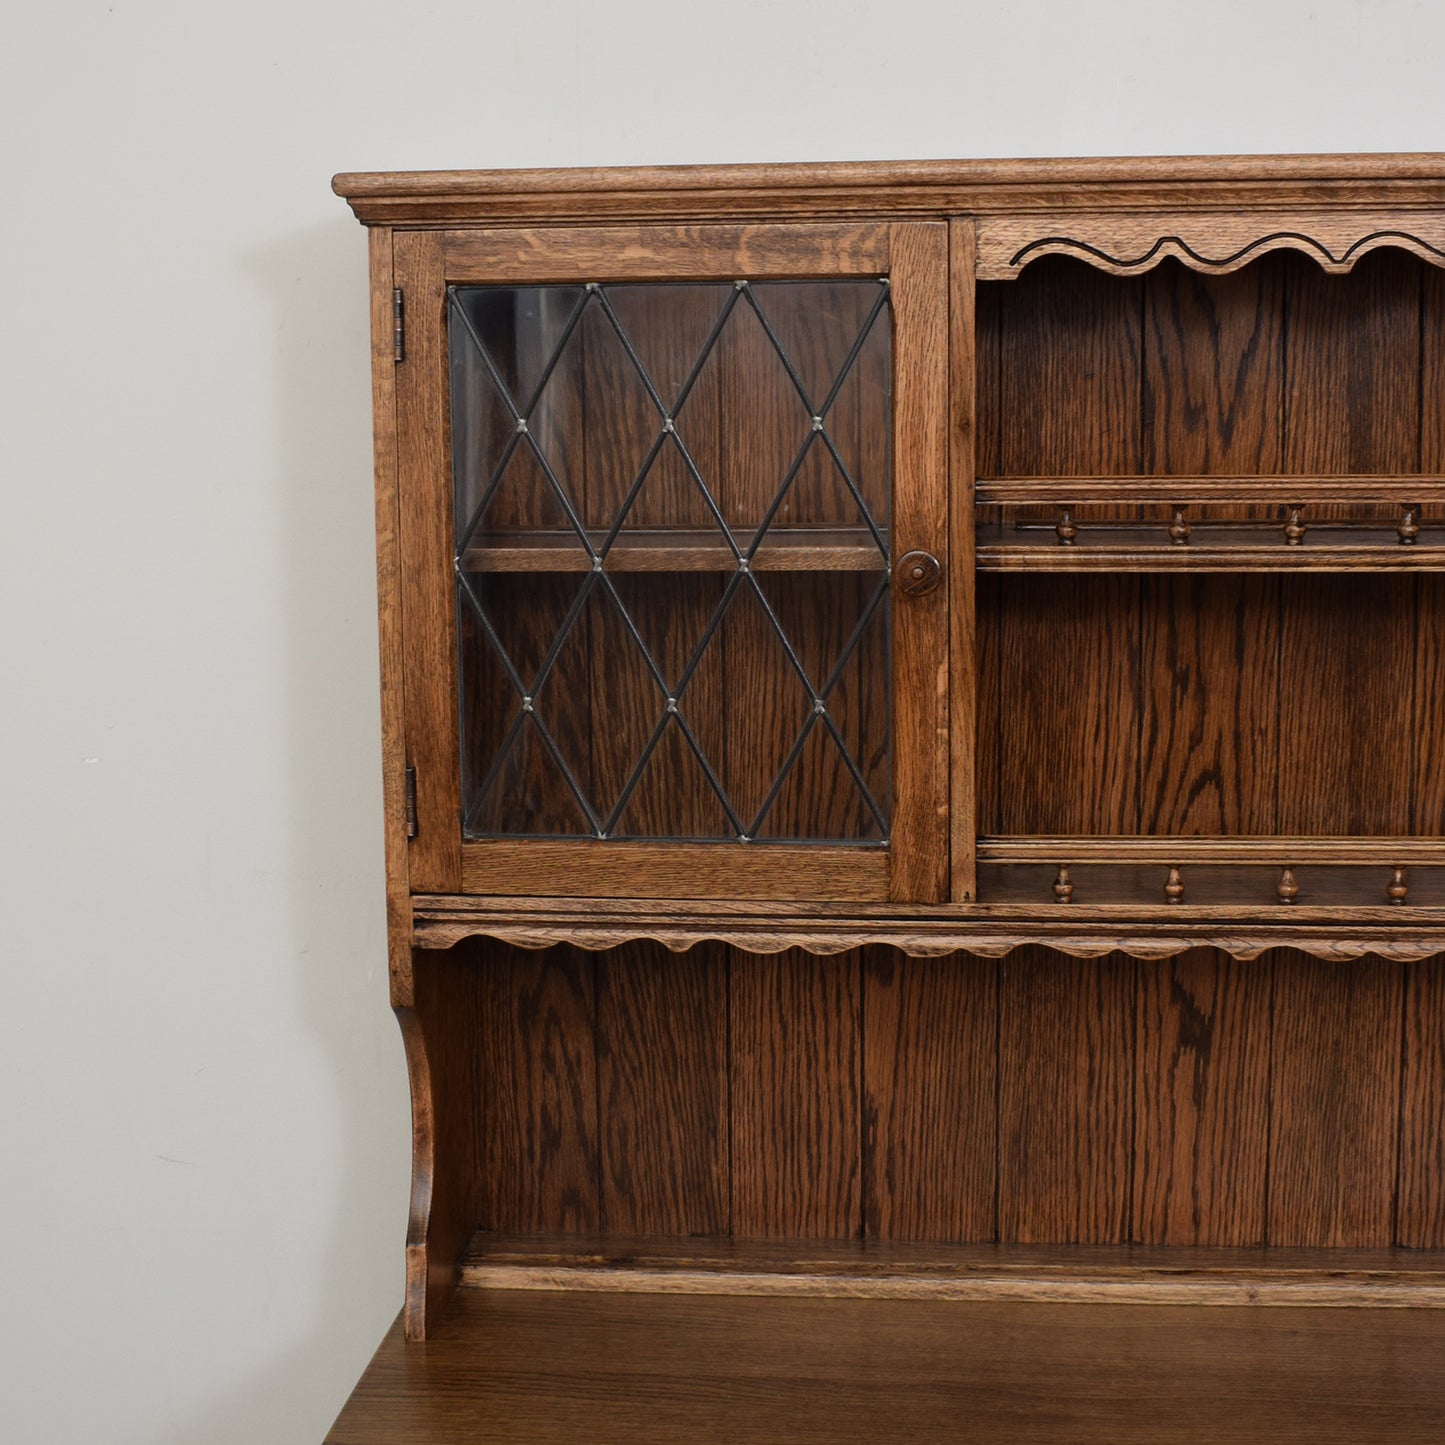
(1130, 991)
(930, 1090)
(1336, 1103)
(1065, 1102)
(1201, 1101)
(796, 1112)
(614, 1368)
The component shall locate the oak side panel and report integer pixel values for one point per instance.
(1066, 731)
(1066, 1098)
(389, 609)
(1420, 1222)
(1336, 1101)
(663, 1090)
(1429, 761)
(796, 1117)
(1213, 371)
(930, 1088)
(428, 598)
(446, 1132)
(921, 770)
(1209, 655)
(537, 1089)
(1201, 1100)
(1346, 705)
(964, 671)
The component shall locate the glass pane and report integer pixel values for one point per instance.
(671, 513)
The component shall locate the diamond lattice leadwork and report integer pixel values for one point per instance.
(592, 422)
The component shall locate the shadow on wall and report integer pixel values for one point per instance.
(352, 1288)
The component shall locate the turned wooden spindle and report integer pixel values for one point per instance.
(1179, 528)
(1294, 528)
(1398, 888)
(1063, 885)
(1286, 889)
(1065, 529)
(1174, 887)
(1409, 528)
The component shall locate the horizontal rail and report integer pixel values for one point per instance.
(1181, 491)
(1174, 851)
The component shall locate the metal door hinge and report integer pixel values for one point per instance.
(398, 327)
(410, 801)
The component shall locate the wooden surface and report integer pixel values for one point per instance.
(787, 549)
(921, 625)
(919, 188)
(964, 670)
(1218, 244)
(555, 1367)
(1052, 1274)
(644, 253)
(1037, 1100)
(428, 668)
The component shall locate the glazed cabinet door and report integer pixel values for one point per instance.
(673, 535)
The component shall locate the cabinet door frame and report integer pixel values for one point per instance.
(913, 865)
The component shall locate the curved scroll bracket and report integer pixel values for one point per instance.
(1215, 243)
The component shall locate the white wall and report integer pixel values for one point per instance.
(203, 1120)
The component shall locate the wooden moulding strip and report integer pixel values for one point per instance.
(1182, 491)
(1263, 556)
(1186, 1276)
(1284, 851)
(675, 870)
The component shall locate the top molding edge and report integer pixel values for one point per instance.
(912, 188)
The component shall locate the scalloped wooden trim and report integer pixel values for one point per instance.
(1216, 243)
(930, 940)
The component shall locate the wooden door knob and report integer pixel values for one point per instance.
(918, 572)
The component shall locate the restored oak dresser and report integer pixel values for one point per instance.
(914, 782)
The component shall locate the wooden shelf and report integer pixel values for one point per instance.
(784, 549)
(855, 1269)
(1180, 491)
(1256, 548)
(559, 1366)
(1289, 851)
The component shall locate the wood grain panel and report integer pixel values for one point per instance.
(429, 638)
(551, 1368)
(1068, 398)
(964, 637)
(1428, 764)
(537, 1089)
(647, 252)
(1420, 1219)
(920, 639)
(1336, 1101)
(1066, 1123)
(1213, 371)
(389, 618)
(1346, 707)
(1068, 751)
(446, 1135)
(1201, 1101)
(1352, 371)
(796, 1114)
(1209, 657)
(1429, 761)
(930, 1097)
(663, 1090)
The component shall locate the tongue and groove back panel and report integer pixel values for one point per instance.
(1038, 1098)
(1221, 703)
